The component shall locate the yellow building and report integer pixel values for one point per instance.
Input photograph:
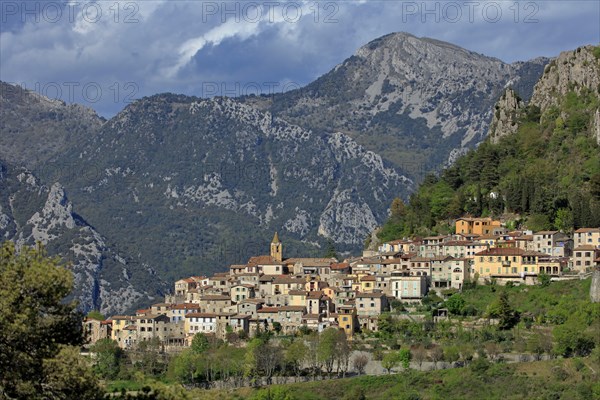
(119, 322)
(347, 319)
(507, 263)
(476, 226)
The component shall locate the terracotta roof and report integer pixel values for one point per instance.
(420, 259)
(121, 317)
(315, 294)
(270, 310)
(130, 328)
(185, 306)
(297, 292)
(586, 247)
(246, 285)
(263, 260)
(292, 308)
(368, 278)
(369, 295)
(234, 266)
(587, 230)
(215, 297)
(473, 219)
(283, 279)
(525, 237)
(391, 261)
(267, 278)
(545, 232)
(508, 251)
(255, 301)
(342, 265)
(311, 262)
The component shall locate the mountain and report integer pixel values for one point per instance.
(191, 185)
(35, 128)
(541, 163)
(176, 185)
(31, 212)
(418, 102)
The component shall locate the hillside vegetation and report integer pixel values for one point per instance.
(556, 379)
(547, 172)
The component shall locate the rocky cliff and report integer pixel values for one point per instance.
(31, 212)
(194, 184)
(506, 115)
(418, 102)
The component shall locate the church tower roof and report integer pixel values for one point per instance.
(275, 238)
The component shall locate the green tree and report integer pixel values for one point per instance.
(564, 220)
(200, 343)
(544, 279)
(390, 361)
(295, 354)
(108, 358)
(331, 252)
(327, 348)
(455, 304)
(35, 323)
(68, 376)
(183, 367)
(404, 356)
(503, 311)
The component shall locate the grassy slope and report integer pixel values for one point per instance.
(536, 380)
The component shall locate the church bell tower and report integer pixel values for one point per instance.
(276, 248)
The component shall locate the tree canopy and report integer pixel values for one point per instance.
(39, 330)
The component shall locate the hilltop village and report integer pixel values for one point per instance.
(271, 292)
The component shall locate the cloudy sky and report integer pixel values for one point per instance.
(106, 53)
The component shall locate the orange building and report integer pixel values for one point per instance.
(476, 226)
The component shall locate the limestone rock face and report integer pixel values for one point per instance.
(429, 96)
(572, 70)
(32, 213)
(506, 115)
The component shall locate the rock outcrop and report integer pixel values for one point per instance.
(506, 114)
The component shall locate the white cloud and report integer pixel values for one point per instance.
(157, 51)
